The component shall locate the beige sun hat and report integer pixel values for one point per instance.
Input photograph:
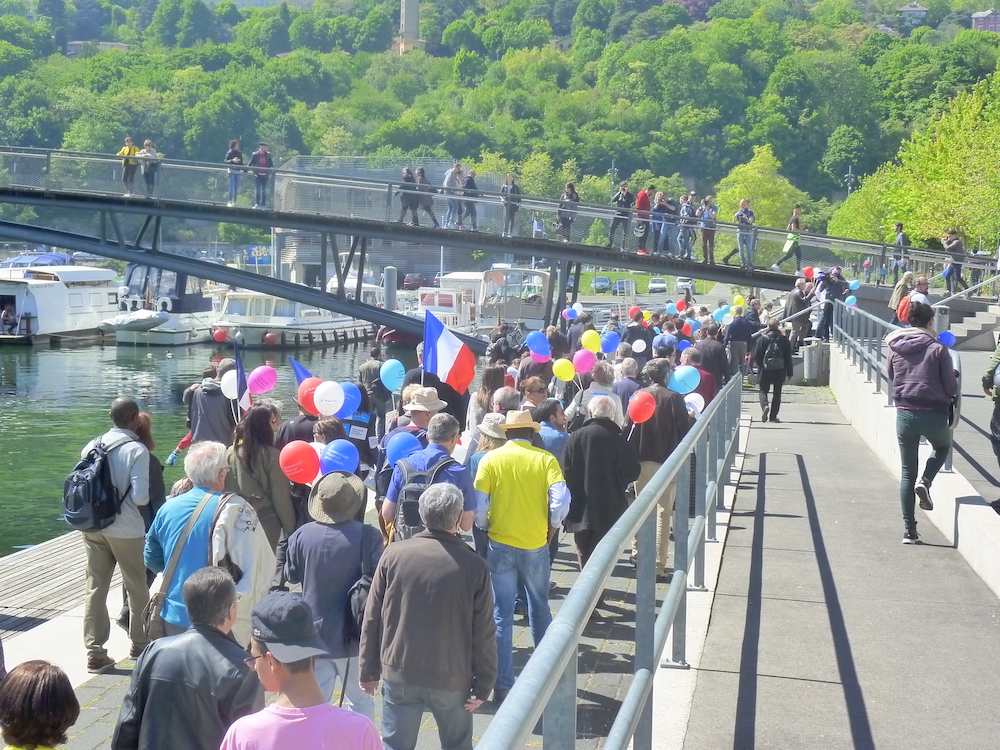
(425, 399)
(336, 497)
(492, 426)
(520, 420)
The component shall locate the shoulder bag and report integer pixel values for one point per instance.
(152, 619)
(226, 563)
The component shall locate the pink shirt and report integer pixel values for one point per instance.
(323, 727)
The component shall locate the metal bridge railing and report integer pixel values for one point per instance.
(321, 194)
(548, 684)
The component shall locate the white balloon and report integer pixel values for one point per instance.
(639, 346)
(318, 447)
(328, 397)
(727, 319)
(696, 400)
(230, 384)
(578, 306)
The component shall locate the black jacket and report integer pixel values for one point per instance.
(599, 465)
(186, 691)
(760, 349)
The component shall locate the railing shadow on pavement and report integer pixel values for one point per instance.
(547, 686)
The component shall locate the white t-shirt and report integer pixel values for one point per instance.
(920, 297)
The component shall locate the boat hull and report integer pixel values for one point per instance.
(265, 336)
(179, 330)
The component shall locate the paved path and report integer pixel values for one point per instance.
(826, 631)
(973, 452)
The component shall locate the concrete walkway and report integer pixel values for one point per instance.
(826, 631)
(973, 452)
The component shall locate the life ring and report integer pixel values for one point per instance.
(164, 304)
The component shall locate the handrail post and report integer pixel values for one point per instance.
(48, 169)
(718, 427)
(704, 471)
(645, 620)
(388, 203)
(680, 526)
(559, 719)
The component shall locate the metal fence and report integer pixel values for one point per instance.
(320, 193)
(547, 687)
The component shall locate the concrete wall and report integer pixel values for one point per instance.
(961, 514)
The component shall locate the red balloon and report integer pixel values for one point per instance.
(306, 390)
(633, 310)
(300, 461)
(270, 338)
(641, 407)
(219, 335)
(808, 272)
(686, 330)
(681, 305)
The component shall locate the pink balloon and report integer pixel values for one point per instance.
(584, 361)
(540, 358)
(262, 379)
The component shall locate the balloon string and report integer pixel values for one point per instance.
(631, 430)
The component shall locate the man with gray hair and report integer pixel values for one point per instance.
(797, 302)
(506, 399)
(422, 469)
(600, 464)
(187, 689)
(629, 383)
(408, 636)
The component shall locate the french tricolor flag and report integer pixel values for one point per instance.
(446, 356)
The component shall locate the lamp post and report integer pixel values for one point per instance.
(850, 179)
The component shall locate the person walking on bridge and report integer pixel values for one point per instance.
(923, 388)
(234, 158)
(707, 214)
(130, 164)
(452, 181)
(510, 198)
(795, 250)
(956, 249)
(409, 201)
(261, 162)
(470, 191)
(685, 231)
(426, 200)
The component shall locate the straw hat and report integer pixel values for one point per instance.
(336, 497)
(520, 420)
(492, 426)
(425, 399)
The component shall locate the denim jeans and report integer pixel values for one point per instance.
(328, 671)
(508, 567)
(745, 242)
(234, 186)
(911, 425)
(667, 244)
(685, 240)
(260, 190)
(453, 212)
(403, 709)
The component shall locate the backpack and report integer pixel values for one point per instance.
(414, 483)
(357, 595)
(90, 499)
(773, 360)
(903, 310)
(579, 416)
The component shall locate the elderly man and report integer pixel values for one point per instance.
(797, 301)
(629, 382)
(524, 500)
(187, 689)
(506, 399)
(900, 290)
(211, 415)
(713, 354)
(326, 556)
(654, 440)
(120, 543)
(225, 530)
(429, 629)
(599, 465)
(739, 334)
(419, 470)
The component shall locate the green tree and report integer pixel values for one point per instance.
(460, 35)
(241, 234)
(227, 13)
(375, 33)
(469, 68)
(54, 9)
(266, 33)
(14, 60)
(14, 7)
(197, 24)
(223, 115)
(761, 181)
(308, 32)
(163, 27)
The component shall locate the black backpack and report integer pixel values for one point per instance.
(773, 358)
(357, 595)
(90, 499)
(414, 483)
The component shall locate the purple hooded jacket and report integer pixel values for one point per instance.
(921, 370)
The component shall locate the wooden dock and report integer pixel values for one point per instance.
(43, 582)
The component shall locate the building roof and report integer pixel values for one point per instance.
(985, 13)
(911, 8)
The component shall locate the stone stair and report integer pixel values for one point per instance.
(978, 332)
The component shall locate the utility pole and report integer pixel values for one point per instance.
(850, 179)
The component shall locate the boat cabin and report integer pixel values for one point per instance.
(256, 307)
(148, 288)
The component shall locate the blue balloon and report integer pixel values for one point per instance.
(946, 272)
(538, 343)
(401, 446)
(719, 315)
(340, 455)
(684, 379)
(851, 301)
(947, 338)
(352, 400)
(570, 314)
(854, 285)
(610, 341)
(671, 308)
(726, 309)
(392, 373)
(684, 344)
(695, 325)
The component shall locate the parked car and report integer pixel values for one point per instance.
(414, 281)
(657, 285)
(437, 280)
(571, 283)
(601, 284)
(684, 283)
(623, 287)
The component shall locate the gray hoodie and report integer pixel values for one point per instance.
(921, 371)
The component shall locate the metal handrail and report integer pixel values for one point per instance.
(548, 681)
(793, 316)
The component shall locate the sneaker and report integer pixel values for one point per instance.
(910, 536)
(98, 664)
(642, 252)
(230, 204)
(923, 491)
(775, 419)
(776, 268)
(255, 206)
(172, 458)
(763, 413)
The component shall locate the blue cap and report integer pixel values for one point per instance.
(283, 622)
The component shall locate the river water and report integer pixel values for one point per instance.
(53, 401)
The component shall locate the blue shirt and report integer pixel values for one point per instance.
(553, 440)
(422, 460)
(664, 339)
(162, 537)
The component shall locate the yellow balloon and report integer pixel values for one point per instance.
(646, 315)
(590, 340)
(563, 368)
(738, 300)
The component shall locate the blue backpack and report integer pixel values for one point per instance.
(90, 499)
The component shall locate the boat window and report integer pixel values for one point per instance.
(284, 308)
(136, 279)
(167, 286)
(237, 306)
(194, 285)
(76, 300)
(112, 298)
(261, 306)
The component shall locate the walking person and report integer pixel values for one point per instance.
(623, 200)
(121, 543)
(130, 165)
(707, 214)
(426, 190)
(150, 166)
(956, 249)
(685, 231)
(408, 198)
(470, 190)
(772, 353)
(261, 162)
(797, 302)
(234, 158)
(429, 632)
(923, 388)
(795, 250)
(452, 181)
(902, 289)
(510, 198)
(739, 335)
(901, 243)
(567, 202)
(643, 204)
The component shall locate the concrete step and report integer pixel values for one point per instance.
(978, 331)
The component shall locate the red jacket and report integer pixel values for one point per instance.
(642, 203)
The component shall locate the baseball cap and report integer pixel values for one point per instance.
(283, 622)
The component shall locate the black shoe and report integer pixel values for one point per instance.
(995, 505)
(910, 536)
(499, 695)
(775, 419)
(923, 492)
(764, 411)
